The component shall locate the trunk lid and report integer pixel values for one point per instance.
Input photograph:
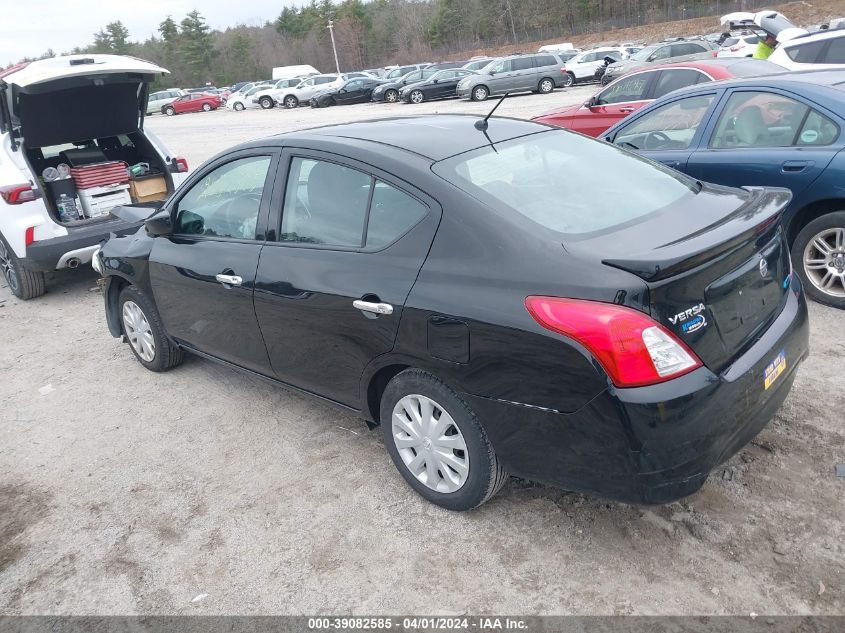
(717, 271)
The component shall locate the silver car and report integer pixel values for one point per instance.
(537, 72)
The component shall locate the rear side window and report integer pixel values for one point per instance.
(546, 60)
(675, 79)
(335, 205)
(523, 176)
(805, 53)
(835, 53)
(761, 119)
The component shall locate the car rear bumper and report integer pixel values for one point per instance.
(653, 444)
(79, 245)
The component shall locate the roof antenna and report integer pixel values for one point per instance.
(482, 124)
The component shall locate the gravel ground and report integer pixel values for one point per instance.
(206, 491)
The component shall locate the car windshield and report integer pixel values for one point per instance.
(528, 175)
(643, 54)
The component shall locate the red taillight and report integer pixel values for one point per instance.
(29, 235)
(563, 70)
(18, 194)
(181, 164)
(632, 348)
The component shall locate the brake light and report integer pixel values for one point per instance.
(29, 235)
(563, 69)
(632, 348)
(18, 194)
(181, 164)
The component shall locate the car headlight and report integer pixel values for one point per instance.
(378, 90)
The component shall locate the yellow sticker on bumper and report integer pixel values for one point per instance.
(774, 369)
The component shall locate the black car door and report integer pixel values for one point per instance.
(351, 92)
(202, 275)
(331, 289)
(445, 86)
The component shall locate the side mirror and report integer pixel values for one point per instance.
(592, 102)
(492, 71)
(435, 81)
(159, 223)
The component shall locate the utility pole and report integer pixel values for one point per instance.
(334, 47)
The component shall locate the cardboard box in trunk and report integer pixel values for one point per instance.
(148, 189)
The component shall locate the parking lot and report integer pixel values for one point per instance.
(207, 491)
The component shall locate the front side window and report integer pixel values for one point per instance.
(671, 126)
(759, 119)
(523, 175)
(663, 52)
(226, 201)
(676, 79)
(502, 66)
(627, 89)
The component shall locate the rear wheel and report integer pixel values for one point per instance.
(480, 93)
(291, 102)
(818, 256)
(206, 107)
(24, 284)
(568, 80)
(169, 111)
(437, 443)
(238, 106)
(391, 96)
(266, 102)
(416, 96)
(546, 86)
(145, 333)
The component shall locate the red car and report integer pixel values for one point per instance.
(635, 90)
(193, 102)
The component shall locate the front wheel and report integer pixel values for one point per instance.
(169, 111)
(568, 80)
(291, 102)
(24, 284)
(238, 106)
(437, 443)
(416, 97)
(145, 332)
(266, 103)
(546, 86)
(480, 93)
(818, 256)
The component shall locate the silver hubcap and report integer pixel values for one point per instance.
(239, 106)
(7, 268)
(430, 443)
(481, 94)
(138, 331)
(416, 97)
(390, 96)
(824, 262)
(291, 103)
(546, 86)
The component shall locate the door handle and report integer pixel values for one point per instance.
(795, 166)
(674, 164)
(627, 110)
(370, 306)
(229, 280)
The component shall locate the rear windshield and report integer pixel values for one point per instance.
(566, 182)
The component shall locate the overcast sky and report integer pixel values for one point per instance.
(30, 27)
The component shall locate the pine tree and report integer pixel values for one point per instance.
(196, 46)
(118, 37)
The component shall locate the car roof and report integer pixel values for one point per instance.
(434, 137)
(806, 82)
(45, 70)
(815, 37)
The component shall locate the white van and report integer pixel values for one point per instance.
(289, 72)
(76, 110)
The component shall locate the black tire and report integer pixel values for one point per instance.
(206, 107)
(804, 239)
(480, 93)
(169, 111)
(568, 80)
(416, 96)
(391, 96)
(238, 106)
(25, 284)
(545, 86)
(266, 102)
(485, 476)
(291, 102)
(167, 355)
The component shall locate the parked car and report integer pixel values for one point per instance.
(194, 102)
(582, 67)
(412, 273)
(683, 51)
(268, 96)
(478, 64)
(301, 93)
(242, 99)
(636, 90)
(205, 89)
(610, 58)
(401, 71)
(782, 130)
(739, 46)
(441, 85)
(103, 95)
(388, 90)
(289, 72)
(158, 100)
(351, 91)
(537, 72)
(824, 50)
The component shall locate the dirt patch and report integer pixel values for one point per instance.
(21, 506)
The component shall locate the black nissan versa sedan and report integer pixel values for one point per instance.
(621, 338)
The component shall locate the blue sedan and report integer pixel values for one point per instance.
(782, 130)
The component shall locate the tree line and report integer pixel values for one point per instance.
(375, 33)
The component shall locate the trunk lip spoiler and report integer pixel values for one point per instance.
(681, 255)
